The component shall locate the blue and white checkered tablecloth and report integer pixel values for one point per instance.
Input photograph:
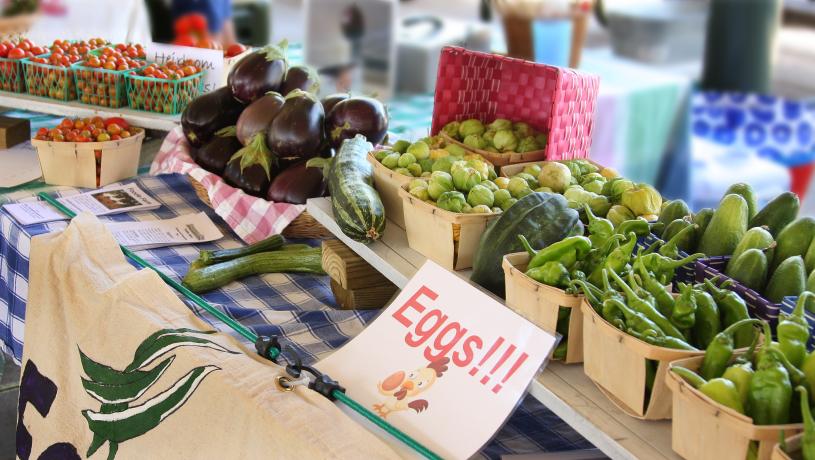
(298, 308)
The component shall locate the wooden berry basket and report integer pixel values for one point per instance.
(793, 449)
(705, 430)
(500, 159)
(540, 303)
(615, 362)
(388, 182)
(448, 238)
(553, 100)
(74, 163)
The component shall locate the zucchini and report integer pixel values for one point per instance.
(357, 207)
(203, 279)
(222, 255)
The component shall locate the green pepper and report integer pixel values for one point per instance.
(663, 299)
(720, 349)
(646, 309)
(617, 260)
(565, 251)
(671, 247)
(560, 351)
(793, 332)
(662, 340)
(638, 226)
(634, 319)
(770, 389)
(721, 390)
(707, 323)
(663, 267)
(600, 229)
(741, 372)
(551, 273)
(590, 292)
(808, 438)
(809, 373)
(733, 309)
(684, 312)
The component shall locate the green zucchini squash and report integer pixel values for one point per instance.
(206, 278)
(543, 218)
(222, 255)
(357, 207)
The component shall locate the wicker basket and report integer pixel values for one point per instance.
(553, 100)
(304, 226)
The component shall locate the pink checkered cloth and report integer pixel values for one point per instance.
(250, 217)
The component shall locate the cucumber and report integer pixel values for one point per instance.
(793, 240)
(727, 226)
(755, 238)
(673, 227)
(746, 192)
(675, 209)
(779, 212)
(789, 279)
(222, 255)
(702, 219)
(356, 204)
(750, 269)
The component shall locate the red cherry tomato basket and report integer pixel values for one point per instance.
(101, 87)
(159, 95)
(46, 80)
(554, 100)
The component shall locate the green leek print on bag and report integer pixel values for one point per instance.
(118, 418)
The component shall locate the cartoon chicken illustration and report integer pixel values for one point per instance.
(401, 388)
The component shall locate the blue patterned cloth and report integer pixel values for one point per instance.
(300, 309)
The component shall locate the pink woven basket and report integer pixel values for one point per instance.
(551, 99)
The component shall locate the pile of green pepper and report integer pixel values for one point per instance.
(760, 383)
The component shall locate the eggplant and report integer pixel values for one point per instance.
(208, 113)
(330, 101)
(257, 117)
(258, 73)
(296, 184)
(214, 155)
(297, 132)
(356, 115)
(252, 179)
(300, 77)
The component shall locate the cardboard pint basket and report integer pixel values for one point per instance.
(388, 182)
(499, 159)
(616, 363)
(89, 164)
(703, 429)
(792, 451)
(541, 304)
(448, 238)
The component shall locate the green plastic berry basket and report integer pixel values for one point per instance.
(101, 87)
(158, 95)
(50, 81)
(12, 75)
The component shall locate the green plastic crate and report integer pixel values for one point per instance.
(151, 94)
(46, 80)
(101, 87)
(12, 75)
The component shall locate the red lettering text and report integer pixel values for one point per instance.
(413, 302)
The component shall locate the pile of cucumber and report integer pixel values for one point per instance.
(771, 250)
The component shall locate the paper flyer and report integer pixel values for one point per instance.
(186, 229)
(106, 201)
(442, 349)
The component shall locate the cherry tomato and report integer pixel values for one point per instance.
(42, 131)
(103, 137)
(66, 123)
(234, 50)
(117, 121)
(37, 50)
(16, 53)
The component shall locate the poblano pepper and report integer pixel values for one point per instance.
(662, 340)
(684, 312)
(808, 438)
(634, 319)
(565, 251)
(708, 323)
(663, 299)
(600, 229)
(663, 267)
(721, 390)
(741, 372)
(645, 308)
(793, 332)
(551, 273)
(638, 226)
(770, 389)
(733, 309)
(720, 350)
(671, 247)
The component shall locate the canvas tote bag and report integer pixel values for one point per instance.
(116, 366)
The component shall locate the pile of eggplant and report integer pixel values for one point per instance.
(258, 131)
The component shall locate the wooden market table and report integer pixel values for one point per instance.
(157, 121)
(564, 389)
